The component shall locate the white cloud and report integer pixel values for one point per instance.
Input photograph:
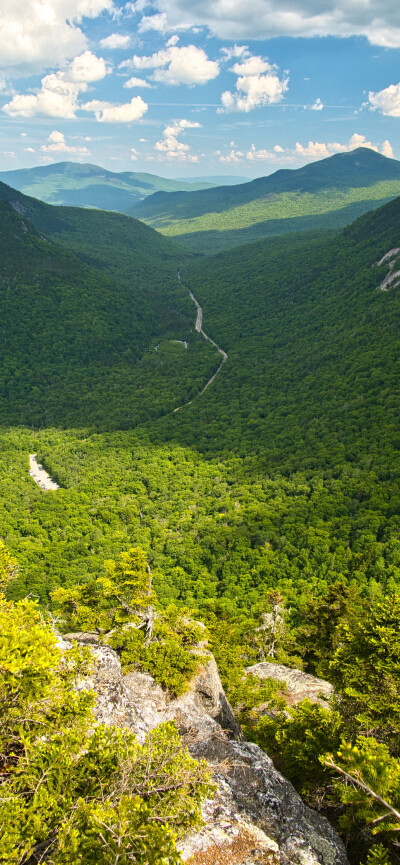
(56, 98)
(314, 150)
(160, 23)
(257, 84)
(154, 22)
(106, 112)
(387, 149)
(174, 65)
(233, 157)
(318, 105)
(235, 51)
(386, 101)
(45, 34)
(115, 40)
(378, 20)
(56, 143)
(58, 95)
(134, 154)
(137, 82)
(170, 148)
(29, 150)
(87, 67)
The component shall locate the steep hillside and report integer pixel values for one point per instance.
(313, 346)
(85, 185)
(325, 194)
(78, 341)
(284, 474)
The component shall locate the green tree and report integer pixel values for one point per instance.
(71, 790)
(366, 671)
(122, 608)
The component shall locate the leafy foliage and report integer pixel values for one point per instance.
(121, 606)
(371, 786)
(366, 670)
(296, 738)
(71, 790)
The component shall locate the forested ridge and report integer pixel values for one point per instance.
(273, 498)
(328, 194)
(85, 185)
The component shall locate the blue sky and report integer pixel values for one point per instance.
(209, 87)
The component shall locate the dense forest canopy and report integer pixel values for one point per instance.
(273, 493)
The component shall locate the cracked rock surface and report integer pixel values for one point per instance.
(256, 817)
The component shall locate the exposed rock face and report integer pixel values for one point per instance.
(299, 685)
(256, 816)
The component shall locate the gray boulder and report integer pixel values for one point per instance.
(298, 685)
(256, 817)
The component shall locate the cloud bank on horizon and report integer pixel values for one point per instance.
(250, 86)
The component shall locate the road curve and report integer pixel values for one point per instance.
(199, 328)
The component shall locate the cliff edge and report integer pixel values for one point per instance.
(256, 817)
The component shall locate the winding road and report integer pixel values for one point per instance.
(43, 479)
(199, 328)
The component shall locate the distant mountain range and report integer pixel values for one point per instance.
(85, 185)
(329, 193)
(218, 179)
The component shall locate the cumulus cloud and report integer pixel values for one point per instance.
(56, 143)
(56, 98)
(386, 101)
(160, 22)
(174, 65)
(387, 149)
(170, 147)
(46, 35)
(257, 84)
(87, 67)
(235, 51)
(318, 105)
(137, 82)
(234, 156)
(106, 112)
(115, 41)
(59, 91)
(378, 20)
(314, 150)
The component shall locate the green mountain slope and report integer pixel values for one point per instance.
(78, 336)
(330, 193)
(85, 185)
(313, 346)
(284, 474)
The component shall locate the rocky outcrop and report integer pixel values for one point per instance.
(256, 817)
(298, 685)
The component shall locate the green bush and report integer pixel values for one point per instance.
(71, 790)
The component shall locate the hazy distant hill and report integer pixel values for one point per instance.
(325, 194)
(218, 179)
(86, 185)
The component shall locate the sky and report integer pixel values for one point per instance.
(195, 88)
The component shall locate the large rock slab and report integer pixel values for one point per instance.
(298, 685)
(256, 817)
